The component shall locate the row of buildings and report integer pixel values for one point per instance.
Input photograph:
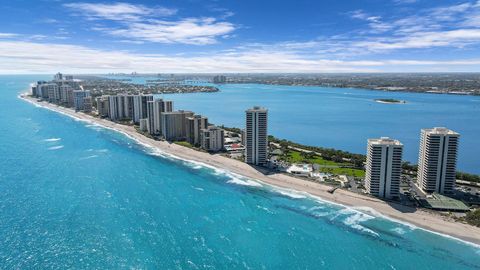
(436, 164)
(158, 118)
(65, 91)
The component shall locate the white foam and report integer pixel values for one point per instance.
(52, 140)
(156, 151)
(399, 230)
(89, 157)
(246, 182)
(55, 147)
(354, 220)
(292, 194)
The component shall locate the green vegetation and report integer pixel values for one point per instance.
(468, 177)
(326, 166)
(183, 143)
(473, 218)
(329, 154)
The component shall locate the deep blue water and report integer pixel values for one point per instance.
(74, 195)
(345, 118)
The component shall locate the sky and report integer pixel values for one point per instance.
(244, 36)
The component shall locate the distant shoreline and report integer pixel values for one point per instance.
(424, 219)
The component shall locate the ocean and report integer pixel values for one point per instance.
(75, 195)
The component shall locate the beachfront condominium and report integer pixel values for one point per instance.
(102, 106)
(79, 98)
(155, 108)
(437, 160)
(256, 139)
(174, 125)
(384, 167)
(212, 138)
(140, 107)
(194, 126)
(120, 107)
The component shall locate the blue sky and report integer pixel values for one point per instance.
(44, 36)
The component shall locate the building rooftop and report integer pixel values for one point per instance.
(385, 141)
(257, 109)
(444, 203)
(440, 131)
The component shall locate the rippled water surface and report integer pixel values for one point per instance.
(74, 195)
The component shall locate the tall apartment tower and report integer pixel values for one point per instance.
(155, 109)
(437, 160)
(194, 126)
(384, 167)
(140, 107)
(256, 139)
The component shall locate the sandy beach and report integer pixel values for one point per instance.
(421, 218)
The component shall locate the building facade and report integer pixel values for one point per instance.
(174, 125)
(212, 139)
(78, 99)
(193, 129)
(155, 109)
(384, 167)
(256, 140)
(437, 160)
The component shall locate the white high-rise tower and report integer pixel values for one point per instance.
(384, 167)
(437, 160)
(256, 139)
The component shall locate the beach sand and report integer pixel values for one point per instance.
(421, 218)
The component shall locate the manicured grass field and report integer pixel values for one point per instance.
(326, 166)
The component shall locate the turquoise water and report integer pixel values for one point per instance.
(74, 195)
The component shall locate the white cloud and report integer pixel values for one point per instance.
(30, 57)
(7, 35)
(118, 11)
(188, 31)
(139, 23)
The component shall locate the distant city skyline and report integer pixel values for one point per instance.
(245, 36)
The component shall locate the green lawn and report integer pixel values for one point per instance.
(326, 166)
(183, 143)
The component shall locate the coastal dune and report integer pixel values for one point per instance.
(421, 218)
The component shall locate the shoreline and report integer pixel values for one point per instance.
(422, 219)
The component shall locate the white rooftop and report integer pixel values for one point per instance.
(440, 131)
(385, 141)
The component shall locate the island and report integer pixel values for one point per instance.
(390, 101)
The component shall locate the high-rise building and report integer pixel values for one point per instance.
(174, 125)
(79, 98)
(58, 77)
(437, 160)
(212, 138)
(155, 109)
(140, 107)
(384, 167)
(87, 104)
(256, 139)
(194, 126)
(102, 106)
(64, 93)
(219, 79)
(119, 107)
(53, 92)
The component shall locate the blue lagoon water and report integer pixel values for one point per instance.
(74, 195)
(345, 118)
